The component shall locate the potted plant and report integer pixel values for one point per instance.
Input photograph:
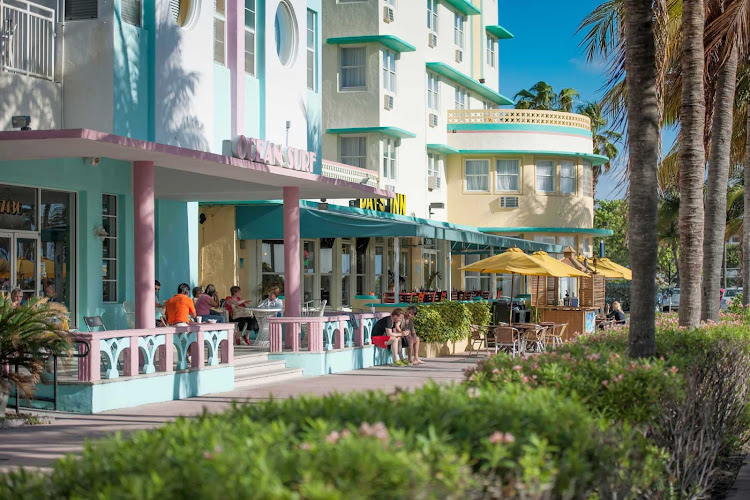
(29, 335)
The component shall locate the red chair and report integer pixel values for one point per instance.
(389, 298)
(443, 295)
(486, 295)
(454, 295)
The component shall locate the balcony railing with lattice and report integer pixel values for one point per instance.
(519, 116)
(349, 173)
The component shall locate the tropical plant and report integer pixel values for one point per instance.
(543, 96)
(605, 141)
(643, 139)
(29, 335)
(434, 275)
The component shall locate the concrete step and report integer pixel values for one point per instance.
(258, 367)
(243, 381)
(241, 359)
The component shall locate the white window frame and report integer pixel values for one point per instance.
(433, 168)
(389, 71)
(517, 175)
(587, 180)
(459, 23)
(486, 175)
(390, 3)
(547, 163)
(432, 16)
(390, 159)
(312, 51)
(491, 53)
(433, 92)
(220, 17)
(462, 98)
(359, 160)
(250, 30)
(342, 68)
(572, 164)
(113, 224)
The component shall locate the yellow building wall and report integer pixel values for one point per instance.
(535, 209)
(218, 248)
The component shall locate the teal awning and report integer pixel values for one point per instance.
(264, 221)
(447, 71)
(395, 132)
(392, 42)
(499, 32)
(464, 7)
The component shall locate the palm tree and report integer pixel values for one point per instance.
(565, 100)
(643, 141)
(604, 140)
(540, 96)
(692, 159)
(669, 234)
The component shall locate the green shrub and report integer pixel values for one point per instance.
(618, 290)
(479, 312)
(444, 322)
(457, 319)
(430, 326)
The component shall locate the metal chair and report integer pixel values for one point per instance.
(94, 322)
(505, 338)
(478, 333)
(554, 336)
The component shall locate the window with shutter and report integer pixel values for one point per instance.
(76, 10)
(130, 12)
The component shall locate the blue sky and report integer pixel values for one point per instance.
(546, 47)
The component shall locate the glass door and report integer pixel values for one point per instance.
(6, 257)
(27, 264)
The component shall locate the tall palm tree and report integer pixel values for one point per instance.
(604, 140)
(565, 100)
(643, 140)
(692, 159)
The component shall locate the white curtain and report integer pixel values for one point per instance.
(353, 151)
(353, 67)
(567, 177)
(545, 176)
(477, 175)
(508, 175)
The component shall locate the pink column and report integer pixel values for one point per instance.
(292, 271)
(236, 63)
(143, 236)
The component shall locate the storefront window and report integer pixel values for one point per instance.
(326, 268)
(379, 286)
(361, 265)
(430, 278)
(272, 266)
(346, 273)
(57, 220)
(473, 280)
(109, 248)
(18, 208)
(308, 270)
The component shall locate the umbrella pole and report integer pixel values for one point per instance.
(510, 319)
(538, 316)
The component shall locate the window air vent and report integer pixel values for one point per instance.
(509, 202)
(388, 14)
(388, 102)
(76, 10)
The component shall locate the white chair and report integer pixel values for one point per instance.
(129, 307)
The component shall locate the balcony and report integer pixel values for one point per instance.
(27, 39)
(349, 173)
(519, 117)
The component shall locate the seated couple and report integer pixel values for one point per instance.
(245, 320)
(399, 326)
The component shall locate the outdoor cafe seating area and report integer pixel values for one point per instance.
(428, 296)
(517, 338)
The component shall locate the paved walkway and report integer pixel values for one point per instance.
(38, 445)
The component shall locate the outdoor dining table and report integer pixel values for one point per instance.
(261, 316)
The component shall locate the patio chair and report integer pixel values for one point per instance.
(554, 336)
(129, 307)
(478, 333)
(454, 295)
(535, 338)
(94, 322)
(505, 338)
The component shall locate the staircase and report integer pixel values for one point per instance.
(252, 368)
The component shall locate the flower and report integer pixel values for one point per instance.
(517, 367)
(605, 383)
(333, 437)
(498, 437)
(473, 392)
(673, 369)
(305, 446)
(495, 371)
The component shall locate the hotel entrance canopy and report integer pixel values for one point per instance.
(263, 221)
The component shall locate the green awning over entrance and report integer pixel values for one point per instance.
(264, 221)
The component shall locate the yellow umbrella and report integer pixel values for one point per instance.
(24, 267)
(626, 273)
(605, 267)
(565, 270)
(49, 268)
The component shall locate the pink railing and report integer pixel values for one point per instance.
(141, 348)
(322, 333)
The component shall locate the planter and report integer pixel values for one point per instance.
(442, 349)
(3, 402)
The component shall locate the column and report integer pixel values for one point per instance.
(396, 267)
(235, 12)
(292, 270)
(143, 236)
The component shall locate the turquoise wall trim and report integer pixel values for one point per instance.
(131, 79)
(519, 127)
(127, 392)
(252, 106)
(315, 364)
(176, 245)
(222, 107)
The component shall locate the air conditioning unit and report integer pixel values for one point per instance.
(459, 55)
(388, 14)
(390, 187)
(433, 183)
(432, 39)
(509, 202)
(433, 120)
(388, 102)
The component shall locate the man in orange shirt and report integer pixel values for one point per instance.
(180, 308)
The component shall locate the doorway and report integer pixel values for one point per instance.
(19, 262)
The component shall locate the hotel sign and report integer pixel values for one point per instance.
(258, 150)
(395, 205)
(10, 207)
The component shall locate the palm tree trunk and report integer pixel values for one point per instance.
(718, 179)
(643, 140)
(746, 213)
(692, 158)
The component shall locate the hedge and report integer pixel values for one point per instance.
(450, 321)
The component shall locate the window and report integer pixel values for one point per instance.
(183, 12)
(250, 37)
(568, 177)
(109, 248)
(272, 265)
(433, 167)
(312, 40)
(58, 222)
(545, 176)
(389, 71)
(346, 272)
(478, 175)
(354, 68)
(587, 188)
(475, 280)
(390, 3)
(491, 55)
(488, 105)
(586, 247)
(432, 15)
(354, 151)
(508, 175)
(389, 159)
(433, 92)
(286, 33)
(352, 1)
(309, 290)
(361, 265)
(462, 98)
(220, 32)
(458, 30)
(130, 11)
(80, 9)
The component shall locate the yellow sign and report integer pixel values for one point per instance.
(10, 207)
(395, 205)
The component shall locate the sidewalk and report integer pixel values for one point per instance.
(39, 445)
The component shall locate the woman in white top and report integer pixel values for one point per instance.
(273, 301)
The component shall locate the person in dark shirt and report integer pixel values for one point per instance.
(391, 326)
(617, 314)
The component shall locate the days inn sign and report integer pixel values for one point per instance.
(395, 205)
(258, 150)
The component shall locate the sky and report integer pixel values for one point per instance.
(546, 47)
